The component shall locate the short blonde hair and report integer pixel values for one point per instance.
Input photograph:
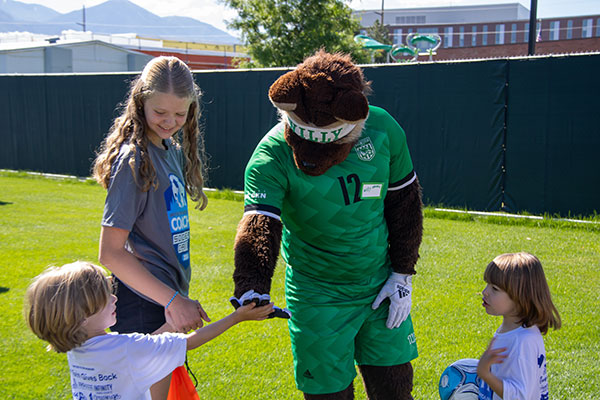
(522, 277)
(60, 299)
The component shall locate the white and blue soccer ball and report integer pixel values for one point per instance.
(460, 381)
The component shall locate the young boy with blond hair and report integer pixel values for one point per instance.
(71, 308)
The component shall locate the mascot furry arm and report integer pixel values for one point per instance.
(404, 217)
(255, 253)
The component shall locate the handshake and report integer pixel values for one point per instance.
(259, 300)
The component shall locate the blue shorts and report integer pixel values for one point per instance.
(134, 313)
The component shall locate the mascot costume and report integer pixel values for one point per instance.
(333, 184)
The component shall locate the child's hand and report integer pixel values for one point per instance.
(185, 314)
(490, 356)
(260, 299)
(253, 312)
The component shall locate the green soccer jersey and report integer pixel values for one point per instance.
(333, 224)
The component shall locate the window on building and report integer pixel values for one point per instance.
(423, 45)
(428, 30)
(448, 36)
(526, 33)
(513, 33)
(586, 28)
(411, 20)
(598, 28)
(474, 36)
(418, 19)
(500, 34)
(461, 37)
(397, 36)
(538, 31)
(570, 29)
(484, 35)
(554, 30)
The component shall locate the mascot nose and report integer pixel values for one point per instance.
(308, 165)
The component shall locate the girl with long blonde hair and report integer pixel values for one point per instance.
(150, 162)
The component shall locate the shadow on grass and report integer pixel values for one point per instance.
(3, 203)
(3, 289)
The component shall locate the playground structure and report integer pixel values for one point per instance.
(417, 44)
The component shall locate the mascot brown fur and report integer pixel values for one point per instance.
(325, 114)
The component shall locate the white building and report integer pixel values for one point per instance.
(68, 56)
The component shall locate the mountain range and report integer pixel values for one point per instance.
(110, 17)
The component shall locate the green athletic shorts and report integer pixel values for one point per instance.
(333, 327)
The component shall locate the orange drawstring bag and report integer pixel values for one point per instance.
(182, 387)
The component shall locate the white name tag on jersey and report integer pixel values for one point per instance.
(371, 190)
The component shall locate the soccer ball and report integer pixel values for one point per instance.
(460, 381)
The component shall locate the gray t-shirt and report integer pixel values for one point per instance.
(157, 220)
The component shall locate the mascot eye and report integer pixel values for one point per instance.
(308, 165)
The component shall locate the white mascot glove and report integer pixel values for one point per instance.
(259, 300)
(398, 289)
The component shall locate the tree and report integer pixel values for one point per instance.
(283, 32)
(380, 33)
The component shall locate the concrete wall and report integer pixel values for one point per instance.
(24, 61)
(58, 60)
(98, 57)
(137, 62)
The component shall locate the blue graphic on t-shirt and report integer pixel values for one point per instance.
(179, 222)
(543, 376)
(540, 360)
(485, 392)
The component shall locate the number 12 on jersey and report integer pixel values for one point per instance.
(367, 190)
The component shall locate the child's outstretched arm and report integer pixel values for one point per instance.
(244, 313)
(183, 314)
(491, 356)
(166, 327)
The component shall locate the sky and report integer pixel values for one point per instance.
(215, 13)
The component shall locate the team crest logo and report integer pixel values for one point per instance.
(365, 149)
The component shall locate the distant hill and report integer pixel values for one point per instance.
(4, 17)
(110, 17)
(27, 12)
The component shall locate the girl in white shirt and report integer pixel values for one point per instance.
(514, 364)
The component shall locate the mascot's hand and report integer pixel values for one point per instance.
(398, 289)
(259, 300)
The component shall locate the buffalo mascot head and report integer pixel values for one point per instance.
(324, 105)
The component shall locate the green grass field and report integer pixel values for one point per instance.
(47, 222)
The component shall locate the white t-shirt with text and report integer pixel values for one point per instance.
(523, 371)
(113, 366)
